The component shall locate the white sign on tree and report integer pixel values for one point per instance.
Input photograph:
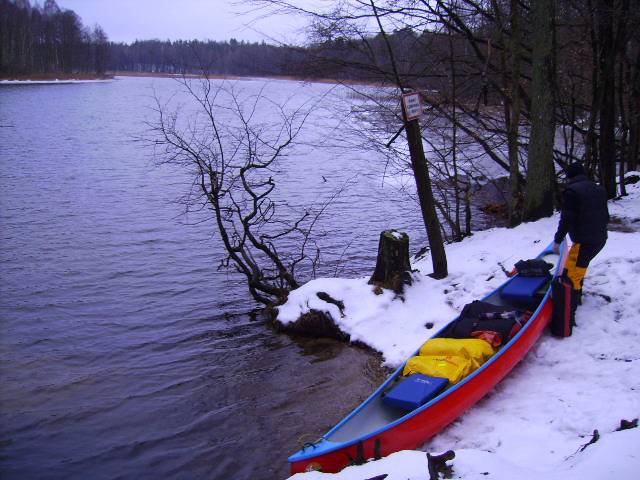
(412, 103)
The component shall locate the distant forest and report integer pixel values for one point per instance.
(230, 58)
(40, 40)
(335, 59)
(43, 40)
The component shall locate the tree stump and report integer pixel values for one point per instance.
(393, 269)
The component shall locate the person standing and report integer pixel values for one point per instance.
(584, 216)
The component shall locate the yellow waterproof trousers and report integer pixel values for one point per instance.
(578, 260)
(574, 272)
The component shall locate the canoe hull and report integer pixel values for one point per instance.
(416, 430)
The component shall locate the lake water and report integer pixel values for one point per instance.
(124, 352)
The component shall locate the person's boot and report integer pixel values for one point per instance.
(579, 296)
(575, 301)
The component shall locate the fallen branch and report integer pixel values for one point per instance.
(438, 465)
(594, 439)
(329, 299)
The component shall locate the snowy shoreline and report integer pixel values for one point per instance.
(534, 423)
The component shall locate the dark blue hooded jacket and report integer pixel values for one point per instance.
(584, 213)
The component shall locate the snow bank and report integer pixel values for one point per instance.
(533, 423)
(615, 456)
(397, 326)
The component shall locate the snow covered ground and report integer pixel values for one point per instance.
(534, 423)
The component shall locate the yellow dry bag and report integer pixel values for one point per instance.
(452, 367)
(474, 349)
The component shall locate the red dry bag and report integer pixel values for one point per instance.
(563, 316)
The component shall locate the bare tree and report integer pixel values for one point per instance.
(511, 71)
(385, 60)
(235, 159)
(419, 167)
(541, 172)
(517, 72)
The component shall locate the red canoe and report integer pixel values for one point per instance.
(374, 429)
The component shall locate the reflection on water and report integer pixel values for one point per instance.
(125, 354)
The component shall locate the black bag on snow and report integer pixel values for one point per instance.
(563, 311)
(533, 268)
(483, 316)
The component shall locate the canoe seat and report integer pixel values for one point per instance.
(523, 289)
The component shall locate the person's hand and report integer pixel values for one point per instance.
(556, 247)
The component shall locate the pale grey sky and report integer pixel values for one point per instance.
(128, 20)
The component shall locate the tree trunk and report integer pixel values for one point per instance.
(392, 264)
(607, 147)
(624, 124)
(515, 194)
(457, 230)
(591, 138)
(538, 201)
(467, 207)
(634, 115)
(420, 170)
(425, 195)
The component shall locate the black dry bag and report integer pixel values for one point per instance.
(483, 316)
(533, 268)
